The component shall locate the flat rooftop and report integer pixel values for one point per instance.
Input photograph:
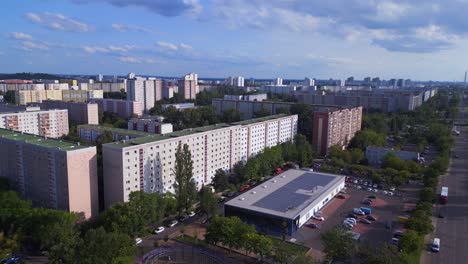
(150, 137)
(119, 131)
(40, 141)
(287, 194)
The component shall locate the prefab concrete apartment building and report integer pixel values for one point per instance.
(290, 198)
(52, 173)
(147, 163)
(80, 113)
(47, 123)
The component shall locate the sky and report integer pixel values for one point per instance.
(415, 39)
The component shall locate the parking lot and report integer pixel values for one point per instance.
(385, 208)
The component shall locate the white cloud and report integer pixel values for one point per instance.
(108, 49)
(390, 11)
(29, 46)
(167, 46)
(127, 28)
(131, 59)
(58, 22)
(21, 36)
(185, 47)
(331, 60)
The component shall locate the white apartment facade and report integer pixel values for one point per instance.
(146, 91)
(47, 123)
(147, 163)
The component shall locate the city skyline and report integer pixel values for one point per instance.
(261, 39)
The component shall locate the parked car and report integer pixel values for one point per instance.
(369, 189)
(172, 223)
(372, 197)
(395, 241)
(365, 221)
(359, 187)
(371, 218)
(340, 196)
(358, 211)
(435, 247)
(376, 191)
(244, 188)
(366, 210)
(221, 199)
(318, 217)
(398, 233)
(351, 215)
(159, 230)
(191, 214)
(392, 189)
(375, 186)
(366, 202)
(138, 240)
(346, 222)
(351, 220)
(182, 218)
(230, 194)
(365, 184)
(348, 226)
(312, 225)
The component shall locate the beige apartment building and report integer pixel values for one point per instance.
(37, 96)
(80, 113)
(146, 163)
(123, 108)
(47, 123)
(51, 173)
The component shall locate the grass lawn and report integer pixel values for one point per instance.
(296, 248)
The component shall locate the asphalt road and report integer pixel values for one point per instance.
(453, 228)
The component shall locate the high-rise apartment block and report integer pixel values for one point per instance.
(146, 91)
(309, 82)
(123, 108)
(47, 123)
(147, 163)
(51, 173)
(278, 81)
(238, 81)
(188, 86)
(91, 132)
(335, 127)
(80, 113)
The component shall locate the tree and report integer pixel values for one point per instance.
(379, 254)
(393, 161)
(365, 138)
(427, 195)
(338, 244)
(304, 151)
(184, 184)
(420, 222)
(149, 207)
(305, 118)
(98, 246)
(357, 155)
(208, 201)
(220, 180)
(289, 151)
(337, 152)
(303, 259)
(10, 97)
(411, 241)
(251, 169)
(260, 245)
(262, 112)
(231, 115)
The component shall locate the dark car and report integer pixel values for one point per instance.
(371, 217)
(352, 216)
(341, 196)
(366, 202)
(230, 194)
(365, 221)
(183, 218)
(312, 225)
(372, 197)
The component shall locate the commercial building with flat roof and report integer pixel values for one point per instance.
(80, 113)
(290, 198)
(376, 155)
(147, 163)
(47, 123)
(52, 173)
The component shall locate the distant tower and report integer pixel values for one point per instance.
(464, 83)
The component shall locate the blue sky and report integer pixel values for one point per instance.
(417, 39)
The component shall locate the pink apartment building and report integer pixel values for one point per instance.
(52, 173)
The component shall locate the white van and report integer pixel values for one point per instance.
(435, 245)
